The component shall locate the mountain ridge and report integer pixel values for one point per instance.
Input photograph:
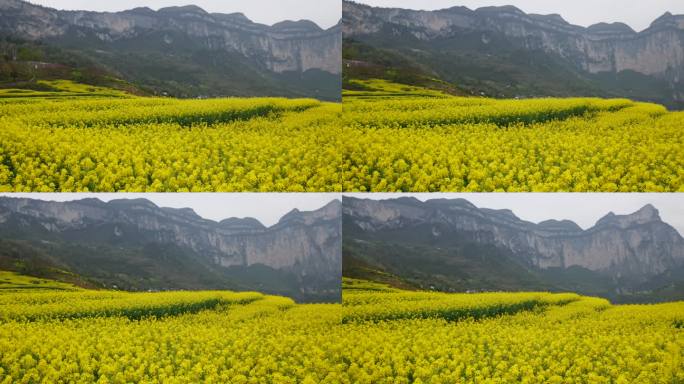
(504, 52)
(465, 247)
(185, 9)
(643, 215)
(178, 51)
(666, 19)
(154, 247)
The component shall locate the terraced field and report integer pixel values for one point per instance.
(91, 142)
(401, 138)
(85, 336)
(385, 138)
(424, 337)
(378, 335)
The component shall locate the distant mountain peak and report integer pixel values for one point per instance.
(611, 28)
(294, 26)
(664, 17)
(185, 212)
(669, 20)
(141, 10)
(333, 204)
(647, 214)
(560, 225)
(451, 202)
(553, 17)
(556, 17)
(507, 213)
(458, 9)
(241, 223)
(238, 16)
(293, 214)
(650, 211)
(183, 9)
(91, 201)
(406, 200)
(501, 9)
(329, 211)
(132, 202)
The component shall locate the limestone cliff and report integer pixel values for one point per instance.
(288, 47)
(303, 244)
(600, 49)
(636, 246)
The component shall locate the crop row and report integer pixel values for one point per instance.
(419, 144)
(388, 306)
(631, 150)
(31, 306)
(569, 339)
(295, 151)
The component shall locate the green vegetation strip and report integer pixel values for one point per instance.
(375, 306)
(37, 306)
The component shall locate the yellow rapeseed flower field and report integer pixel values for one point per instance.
(166, 337)
(75, 144)
(427, 142)
(423, 337)
(395, 139)
(377, 335)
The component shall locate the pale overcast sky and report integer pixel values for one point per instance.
(636, 13)
(325, 13)
(268, 208)
(582, 208)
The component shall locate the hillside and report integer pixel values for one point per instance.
(503, 52)
(135, 245)
(453, 246)
(175, 51)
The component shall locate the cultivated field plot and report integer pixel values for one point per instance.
(95, 143)
(378, 335)
(414, 337)
(402, 139)
(168, 337)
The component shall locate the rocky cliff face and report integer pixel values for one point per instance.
(286, 46)
(599, 49)
(306, 244)
(658, 50)
(177, 51)
(636, 246)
